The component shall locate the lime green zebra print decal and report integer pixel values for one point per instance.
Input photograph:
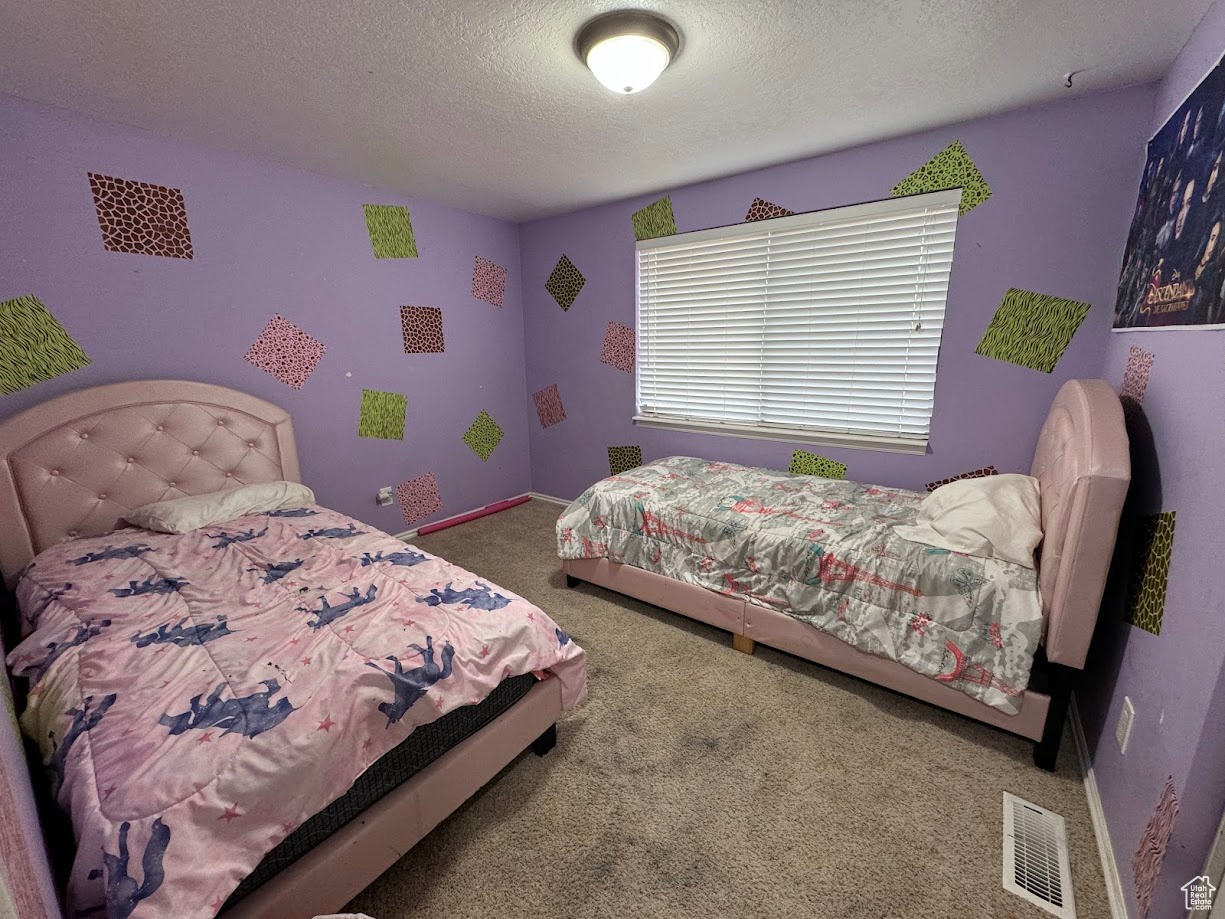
(656, 219)
(1032, 330)
(33, 345)
(391, 231)
(950, 168)
(805, 463)
(382, 414)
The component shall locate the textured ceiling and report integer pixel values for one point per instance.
(484, 106)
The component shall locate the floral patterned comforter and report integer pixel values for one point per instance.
(823, 551)
(197, 697)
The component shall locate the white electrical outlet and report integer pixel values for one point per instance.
(384, 496)
(1122, 730)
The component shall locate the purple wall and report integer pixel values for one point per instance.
(271, 240)
(1061, 176)
(1175, 680)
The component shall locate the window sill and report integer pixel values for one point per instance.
(814, 437)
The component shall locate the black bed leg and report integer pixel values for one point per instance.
(1046, 751)
(572, 582)
(546, 741)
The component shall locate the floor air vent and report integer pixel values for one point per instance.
(1036, 857)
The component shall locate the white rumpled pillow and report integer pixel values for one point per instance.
(996, 516)
(182, 515)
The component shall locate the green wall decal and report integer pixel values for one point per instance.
(654, 220)
(33, 345)
(950, 168)
(391, 231)
(564, 283)
(1149, 571)
(1032, 329)
(382, 414)
(623, 459)
(805, 463)
(483, 435)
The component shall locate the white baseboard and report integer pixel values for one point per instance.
(1105, 848)
(539, 497)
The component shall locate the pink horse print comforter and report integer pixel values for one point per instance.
(197, 697)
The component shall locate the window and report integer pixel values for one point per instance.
(822, 327)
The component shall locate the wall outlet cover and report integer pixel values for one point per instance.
(384, 496)
(1122, 730)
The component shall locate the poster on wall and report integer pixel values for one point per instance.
(1174, 265)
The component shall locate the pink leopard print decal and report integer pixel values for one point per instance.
(419, 497)
(286, 351)
(488, 281)
(1135, 377)
(618, 350)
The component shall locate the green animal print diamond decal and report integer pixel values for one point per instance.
(1031, 329)
(564, 283)
(654, 220)
(950, 168)
(805, 463)
(483, 435)
(33, 345)
(382, 414)
(1150, 571)
(391, 231)
(623, 459)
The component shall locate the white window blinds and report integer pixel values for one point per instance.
(822, 327)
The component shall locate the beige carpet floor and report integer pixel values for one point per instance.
(700, 782)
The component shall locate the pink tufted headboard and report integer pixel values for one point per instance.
(73, 466)
(1084, 467)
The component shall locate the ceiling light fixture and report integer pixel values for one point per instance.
(629, 49)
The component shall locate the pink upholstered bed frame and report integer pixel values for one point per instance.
(73, 466)
(1083, 465)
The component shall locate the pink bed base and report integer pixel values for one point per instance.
(779, 630)
(73, 466)
(331, 874)
(1083, 464)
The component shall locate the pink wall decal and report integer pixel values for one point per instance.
(618, 350)
(1146, 863)
(287, 352)
(419, 497)
(549, 409)
(488, 281)
(1136, 373)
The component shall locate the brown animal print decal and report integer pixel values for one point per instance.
(972, 474)
(141, 218)
(762, 209)
(422, 328)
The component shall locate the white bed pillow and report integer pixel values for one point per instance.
(996, 516)
(182, 515)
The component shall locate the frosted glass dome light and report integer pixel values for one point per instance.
(627, 50)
